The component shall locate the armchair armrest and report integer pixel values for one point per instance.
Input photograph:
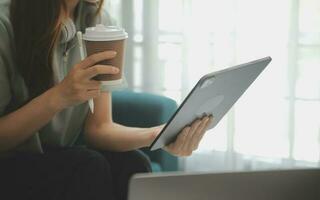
(145, 110)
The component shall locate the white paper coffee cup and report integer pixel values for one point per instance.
(107, 38)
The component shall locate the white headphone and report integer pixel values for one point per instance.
(69, 31)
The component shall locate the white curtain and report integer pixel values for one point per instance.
(276, 124)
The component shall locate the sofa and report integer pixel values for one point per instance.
(146, 110)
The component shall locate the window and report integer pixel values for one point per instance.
(175, 42)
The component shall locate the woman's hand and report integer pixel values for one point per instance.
(78, 86)
(189, 138)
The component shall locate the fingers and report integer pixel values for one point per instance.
(182, 139)
(96, 58)
(211, 119)
(189, 138)
(201, 131)
(194, 126)
(198, 132)
(100, 69)
(188, 148)
(176, 147)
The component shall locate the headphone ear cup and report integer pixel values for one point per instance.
(68, 31)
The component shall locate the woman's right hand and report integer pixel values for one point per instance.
(78, 86)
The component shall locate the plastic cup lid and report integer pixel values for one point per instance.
(105, 33)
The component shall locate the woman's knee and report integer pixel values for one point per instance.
(139, 161)
(91, 166)
(92, 177)
(87, 160)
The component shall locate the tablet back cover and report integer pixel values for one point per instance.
(214, 94)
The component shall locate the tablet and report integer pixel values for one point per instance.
(214, 94)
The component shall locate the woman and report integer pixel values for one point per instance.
(43, 92)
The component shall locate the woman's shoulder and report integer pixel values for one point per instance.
(6, 39)
(5, 23)
(4, 10)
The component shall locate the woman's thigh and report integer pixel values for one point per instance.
(67, 173)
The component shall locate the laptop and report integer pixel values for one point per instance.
(297, 184)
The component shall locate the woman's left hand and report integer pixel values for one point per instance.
(189, 138)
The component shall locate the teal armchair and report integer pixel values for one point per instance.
(146, 110)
